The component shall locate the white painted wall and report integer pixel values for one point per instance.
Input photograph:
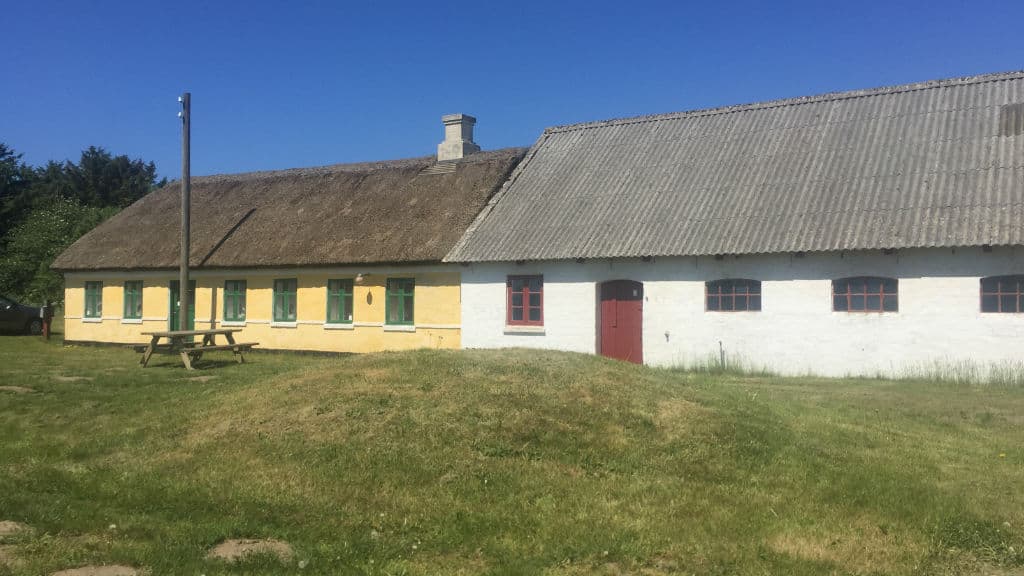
(796, 332)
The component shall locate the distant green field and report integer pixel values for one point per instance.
(500, 462)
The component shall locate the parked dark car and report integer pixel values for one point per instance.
(17, 318)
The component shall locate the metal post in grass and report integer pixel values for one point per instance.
(47, 313)
(186, 193)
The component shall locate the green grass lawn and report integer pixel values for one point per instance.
(501, 462)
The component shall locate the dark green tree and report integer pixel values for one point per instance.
(43, 210)
(16, 180)
(51, 183)
(33, 245)
(100, 179)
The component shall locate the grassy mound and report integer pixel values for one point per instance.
(504, 462)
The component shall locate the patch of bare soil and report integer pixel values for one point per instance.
(200, 378)
(676, 417)
(864, 548)
(16, 389)
(71, 378)
(378, 373)
(237, 550)
(111, 570)
(9, 528)
(7, 557)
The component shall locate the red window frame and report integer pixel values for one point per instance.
(723, 295)
(865, 294)
(1007, 295)
(523, 282)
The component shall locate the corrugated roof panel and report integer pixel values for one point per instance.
(907, 166)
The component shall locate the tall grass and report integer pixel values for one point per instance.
(1009, 374)
(722, 363)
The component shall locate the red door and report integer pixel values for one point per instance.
(621, 322)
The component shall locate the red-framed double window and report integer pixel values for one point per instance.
(1003, 294)
(525, 301)
(865, 294)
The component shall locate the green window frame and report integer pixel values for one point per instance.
(133, 300)
(399, 304)
(234, 300)
(93, 300)
(285, 299)
(339, 301)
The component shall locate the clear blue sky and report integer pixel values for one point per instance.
(285, 84)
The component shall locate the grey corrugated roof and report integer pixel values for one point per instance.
(919, 165)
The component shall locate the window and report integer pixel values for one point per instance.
(732, 295)
(93, 299)
(400, 301)
(525, 301)
(133, 300)
(865, 294)
(339, 302)
(284, 299)
(1003, 294)
(234, 301)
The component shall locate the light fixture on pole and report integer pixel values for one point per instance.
(186, 199)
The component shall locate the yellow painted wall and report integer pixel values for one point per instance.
(436, 300)
(111, 328)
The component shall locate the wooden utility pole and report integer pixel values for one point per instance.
(186, 199)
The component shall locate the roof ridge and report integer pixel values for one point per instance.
(794, 101)
(412, 162)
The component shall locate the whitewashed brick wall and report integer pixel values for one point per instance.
(796, 332)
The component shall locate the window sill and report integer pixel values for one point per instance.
(233, 323)
(131, 321)
(399, 328)
(515, 329)
(339, 326)
(284, 324)
(92, 320)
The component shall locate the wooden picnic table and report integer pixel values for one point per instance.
(182, 341)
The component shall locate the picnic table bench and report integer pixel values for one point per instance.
(182, 342)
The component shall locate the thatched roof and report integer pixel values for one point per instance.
(386, 212)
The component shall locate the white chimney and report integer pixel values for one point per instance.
(458, 137)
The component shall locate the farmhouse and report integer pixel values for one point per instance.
(336, 258)
(865, 232)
